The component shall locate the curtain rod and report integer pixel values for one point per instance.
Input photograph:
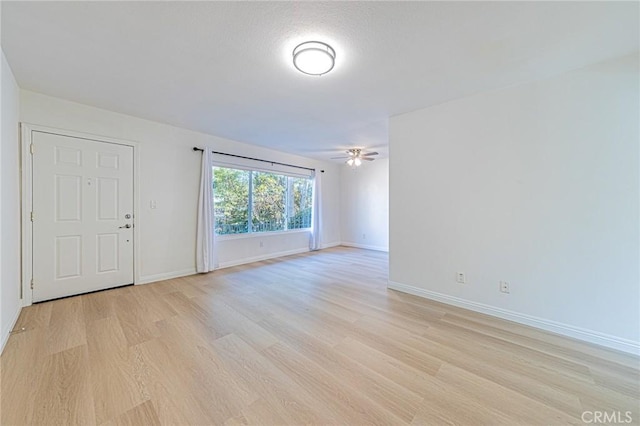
(195, 148)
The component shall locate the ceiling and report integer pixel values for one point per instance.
(225, 68)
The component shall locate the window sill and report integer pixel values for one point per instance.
(228, 237)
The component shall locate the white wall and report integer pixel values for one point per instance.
(364, 205)
(169, 174)
(536, 184)
(10, 302)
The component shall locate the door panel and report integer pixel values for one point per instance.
(68, 256)
(82, 194)
(68, 198)
(107, 252)
(107, 197)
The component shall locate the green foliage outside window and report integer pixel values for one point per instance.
(269, 202)
(278, 202)
(300, 213)
(231, 200)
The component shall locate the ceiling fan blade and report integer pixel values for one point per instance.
(367, 159)
(369, 153)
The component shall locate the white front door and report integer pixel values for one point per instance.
(82, 215)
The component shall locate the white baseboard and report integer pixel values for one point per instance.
(602, 339)
(7, 332)
(268, 256)
(365, 246)
(146, 279)
(329, 245)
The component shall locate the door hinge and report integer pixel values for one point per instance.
(31, 283)
(32, 149)
(32, 216)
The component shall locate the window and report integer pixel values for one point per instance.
(301, 196)
(269, 202)
(231, 200)
(253, 201)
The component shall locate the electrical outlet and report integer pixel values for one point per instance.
(504, 287)
(364, 236)
(261, 244)
(461, 278)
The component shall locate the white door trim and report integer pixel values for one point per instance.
(26, 192)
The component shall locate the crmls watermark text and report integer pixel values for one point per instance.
(598, 417)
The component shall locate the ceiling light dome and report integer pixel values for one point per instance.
(314, 57)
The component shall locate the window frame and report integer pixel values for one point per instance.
(250, 232)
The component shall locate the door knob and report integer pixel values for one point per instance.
(127, 226)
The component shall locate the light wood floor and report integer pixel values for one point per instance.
(308, 339)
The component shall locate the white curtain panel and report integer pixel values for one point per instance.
(205, 239)
(316, 221)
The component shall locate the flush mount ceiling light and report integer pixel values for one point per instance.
(314, 57)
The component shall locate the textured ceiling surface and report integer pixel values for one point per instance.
(225, 68)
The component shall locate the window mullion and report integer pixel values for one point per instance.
(250, 206)
(287, 204)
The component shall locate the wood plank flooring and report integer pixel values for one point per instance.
(314, 338)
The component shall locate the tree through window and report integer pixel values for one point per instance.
(253, 201)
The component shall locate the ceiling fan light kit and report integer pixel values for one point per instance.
(356, 156)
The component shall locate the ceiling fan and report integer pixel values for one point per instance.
(355, 156)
